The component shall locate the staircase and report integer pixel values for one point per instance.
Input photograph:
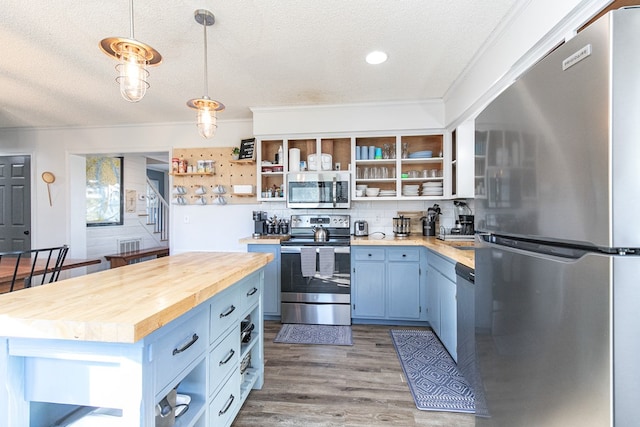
(157, 215)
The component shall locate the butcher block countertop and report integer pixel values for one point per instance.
(445, 248)
(125, 304)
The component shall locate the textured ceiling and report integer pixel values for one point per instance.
(262, 53)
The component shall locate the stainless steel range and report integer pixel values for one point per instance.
(315, 270)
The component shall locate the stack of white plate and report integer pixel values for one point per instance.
(387, 193)
(410, 190)
(432, 188)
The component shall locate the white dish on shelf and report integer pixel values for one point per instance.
(372, 192)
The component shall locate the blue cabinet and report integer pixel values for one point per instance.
(271, 297)
(368, 283)
(442, 301)
(387, 284)
(403, 283)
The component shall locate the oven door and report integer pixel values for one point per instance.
(317, 299)
(318, 190)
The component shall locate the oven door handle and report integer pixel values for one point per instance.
(334, 191)
(296, 249)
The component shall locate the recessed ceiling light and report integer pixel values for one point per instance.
(376, 57)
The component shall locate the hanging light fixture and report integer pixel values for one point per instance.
(206, 106)
(133, 57)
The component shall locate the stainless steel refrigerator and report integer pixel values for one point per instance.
(557, 289)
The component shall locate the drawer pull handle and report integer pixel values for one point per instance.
(228, 312)
(404, 255)
(252, 291)
(227, 405)
(192, 341)
(229, 356)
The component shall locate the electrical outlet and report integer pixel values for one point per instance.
(187, 219)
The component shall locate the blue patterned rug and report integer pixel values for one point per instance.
(314, 334)
(432, 375)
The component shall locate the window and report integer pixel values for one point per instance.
(105, 197)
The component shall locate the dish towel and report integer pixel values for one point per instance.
(308, 261)
(326, 261)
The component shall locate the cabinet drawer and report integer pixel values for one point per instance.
(225, 312)
(181, 345)
(224, 358)
(250, 291)
(224, 406)
(368, 254)
(404, 254)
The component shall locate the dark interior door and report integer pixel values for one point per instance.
(15, 203)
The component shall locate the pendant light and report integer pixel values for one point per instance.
(206, 106)
(133, 57)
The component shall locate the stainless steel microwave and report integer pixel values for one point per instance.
(329, 190)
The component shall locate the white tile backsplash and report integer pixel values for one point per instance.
(378, 214)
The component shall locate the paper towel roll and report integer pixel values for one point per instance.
(294, 159)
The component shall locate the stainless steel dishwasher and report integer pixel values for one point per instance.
(465, 302)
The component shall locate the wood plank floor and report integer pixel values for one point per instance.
(322, 385)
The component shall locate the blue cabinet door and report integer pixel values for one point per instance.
(448, 316)
(404, 291)
(433, 299)
(271, 292)
(403, 283)
(368, 283)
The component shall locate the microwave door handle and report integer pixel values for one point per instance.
(334, 191)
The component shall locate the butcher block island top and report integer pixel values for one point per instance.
(125, 304)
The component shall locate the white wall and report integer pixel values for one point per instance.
(374, 117)
(60, 151)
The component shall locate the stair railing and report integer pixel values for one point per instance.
(157, 212)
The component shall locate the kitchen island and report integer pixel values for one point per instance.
(123, 339)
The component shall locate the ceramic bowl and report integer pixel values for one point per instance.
(372, 192)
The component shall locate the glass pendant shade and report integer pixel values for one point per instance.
(133, 58)
(207, 108)
(206, 117)
(133, 75)
(207, 122)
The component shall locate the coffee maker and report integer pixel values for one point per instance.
(260, 223)
(465, 217)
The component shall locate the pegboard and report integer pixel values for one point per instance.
(227, 173)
